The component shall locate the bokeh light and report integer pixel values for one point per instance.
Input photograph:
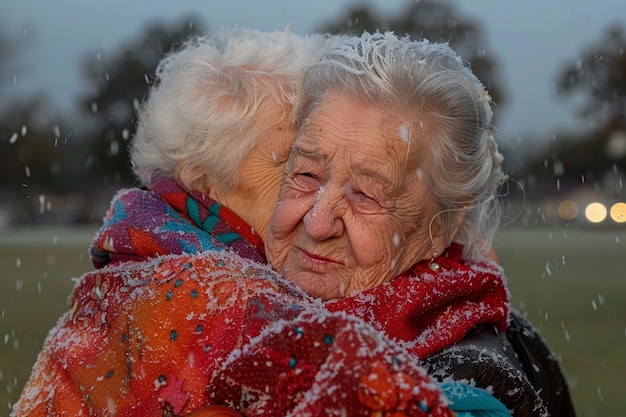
(595, 212)
(568, 210)
(618, 212)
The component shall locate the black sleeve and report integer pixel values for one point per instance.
(540, 366)
(516, 367)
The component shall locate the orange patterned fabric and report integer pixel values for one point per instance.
(168, 336)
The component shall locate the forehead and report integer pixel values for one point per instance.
(366, 133)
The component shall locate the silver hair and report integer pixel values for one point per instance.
(462, 159)
(200, 118)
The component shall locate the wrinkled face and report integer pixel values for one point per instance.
(260, 173)
(352, 212)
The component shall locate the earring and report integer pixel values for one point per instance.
(434, 266)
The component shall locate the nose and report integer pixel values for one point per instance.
(324, 219)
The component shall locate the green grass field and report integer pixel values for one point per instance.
(570, 283)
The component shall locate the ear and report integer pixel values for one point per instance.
(442, 240)
(460, 216)
(493, 256)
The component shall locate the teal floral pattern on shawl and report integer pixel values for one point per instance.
(168, 219)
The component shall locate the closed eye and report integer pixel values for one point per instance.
(363, 202)
(306, 181)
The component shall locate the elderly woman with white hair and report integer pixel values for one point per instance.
(211, 141)
(389, 207)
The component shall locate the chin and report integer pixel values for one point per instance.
(310, 284)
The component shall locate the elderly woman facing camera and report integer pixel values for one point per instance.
(182, 314)
(389, 207)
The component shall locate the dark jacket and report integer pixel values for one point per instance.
(517, 367)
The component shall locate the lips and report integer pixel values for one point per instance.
(318, 258)
(315, 262)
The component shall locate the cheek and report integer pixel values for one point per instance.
(290, 209)
(268, 189)
(376, 243)
(284, 220)
(288, 214)
(417, 244)
(390, 246)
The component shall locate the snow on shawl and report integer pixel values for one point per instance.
(179, 332)
(143, 338)
(169, 219)
(426, 311)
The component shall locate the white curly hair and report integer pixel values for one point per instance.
(200, 118)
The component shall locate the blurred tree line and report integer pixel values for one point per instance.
(596, 154)
(60, 156)
(87, 159)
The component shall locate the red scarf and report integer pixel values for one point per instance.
(426, 311)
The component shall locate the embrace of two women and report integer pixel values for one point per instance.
(312, 237)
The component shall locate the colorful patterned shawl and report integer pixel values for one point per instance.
(166, 336)
(168, 219)
(425, 311)
(172, 333)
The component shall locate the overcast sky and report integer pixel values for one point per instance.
(531, 39)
